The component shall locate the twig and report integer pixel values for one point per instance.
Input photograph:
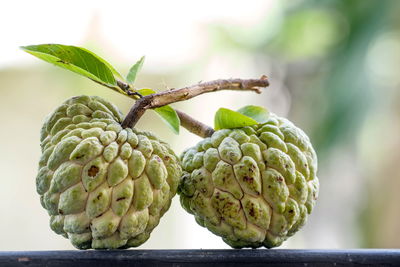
(194, 126)
(177, 95)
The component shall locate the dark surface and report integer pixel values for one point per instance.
(259, 257)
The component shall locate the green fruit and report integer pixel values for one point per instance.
(253, 186)
(104, 187)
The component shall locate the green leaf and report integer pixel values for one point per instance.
(167, 113)
(131, 77)
(170, 117)
(228, 119)
(146, 91)
(260, 114)
(76, 59)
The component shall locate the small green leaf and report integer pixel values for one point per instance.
(170, 117)
(131, 77)
(76, 59)
(167, 113)
(260, 114)
(146, 91)
(228, 119)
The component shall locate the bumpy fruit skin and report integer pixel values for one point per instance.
(253, 186)
(104, 187)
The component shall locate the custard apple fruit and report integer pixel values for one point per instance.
(253, 186)
(104, 187)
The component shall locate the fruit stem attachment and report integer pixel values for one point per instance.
(176, 95)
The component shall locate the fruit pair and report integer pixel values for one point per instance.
(107, 187)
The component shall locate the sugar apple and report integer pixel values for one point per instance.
(253, 186)
(104, 187)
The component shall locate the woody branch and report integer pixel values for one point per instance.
(176, 95)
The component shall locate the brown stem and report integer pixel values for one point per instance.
(194, 126)
(177, 95)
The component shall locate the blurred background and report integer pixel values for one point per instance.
(334, 68)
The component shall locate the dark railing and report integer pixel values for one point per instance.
(248, 257)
